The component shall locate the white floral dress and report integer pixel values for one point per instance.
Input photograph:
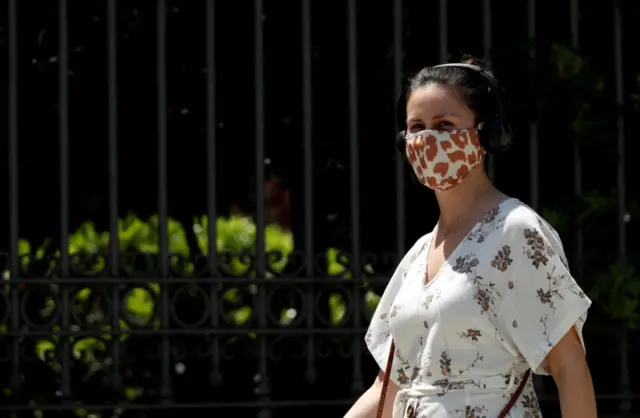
(502, 300)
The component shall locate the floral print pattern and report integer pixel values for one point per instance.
(472, 412)
(492, 220)
(471, 333)
(502, 300)
(536, 250)
(503, 259)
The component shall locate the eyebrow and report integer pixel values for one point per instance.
(438, 116)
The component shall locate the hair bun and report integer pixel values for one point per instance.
(471, 60)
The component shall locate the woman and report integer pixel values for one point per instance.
(486, 296)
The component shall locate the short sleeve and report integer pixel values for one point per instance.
(378, 337)
(541, 300)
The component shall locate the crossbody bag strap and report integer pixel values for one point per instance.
(516, 395)
(385, 380)
(387, 375)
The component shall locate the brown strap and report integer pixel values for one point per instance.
(516, 395)
(387, 374)
(385, 381)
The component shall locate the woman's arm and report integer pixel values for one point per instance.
(366, 406)
(567, 364)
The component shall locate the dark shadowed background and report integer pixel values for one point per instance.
(276, 119)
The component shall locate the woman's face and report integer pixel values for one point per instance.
(437, 107)
(442, 157)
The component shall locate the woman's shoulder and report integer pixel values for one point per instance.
(526, 228)
(524, 220)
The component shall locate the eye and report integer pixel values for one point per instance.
(416, 127)
(445, 124)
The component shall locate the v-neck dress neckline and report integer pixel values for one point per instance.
(447, 262)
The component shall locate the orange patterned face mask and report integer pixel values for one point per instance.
(442, 159)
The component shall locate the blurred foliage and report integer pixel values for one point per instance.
(617, 290)
(580, 87)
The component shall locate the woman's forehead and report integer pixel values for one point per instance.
(434, 100)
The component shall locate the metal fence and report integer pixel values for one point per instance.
(73, 315)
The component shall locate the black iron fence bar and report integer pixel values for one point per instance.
(63, 121)
(486, 49)
(212, 180)
(190, 405)
(203, 405)
(625, 378)
(574, 11)
(112, 138)
(533, 126)
(63, 86)
(443, 33)
(237, 331)
(163, 233)
(307, 138)
(307, 135)
(238, 281)
(13, 183)
(534, 180)
(620, 100)
(277, 331)
(260, 136)
(357, 384)
(263, 389)
(161, 63)
(247, 405)
(398, 89)
(212, 184)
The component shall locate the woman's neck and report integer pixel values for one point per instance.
(459, 200)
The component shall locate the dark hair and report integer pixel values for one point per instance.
(472, 88)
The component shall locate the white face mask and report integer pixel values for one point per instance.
(442, 159)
